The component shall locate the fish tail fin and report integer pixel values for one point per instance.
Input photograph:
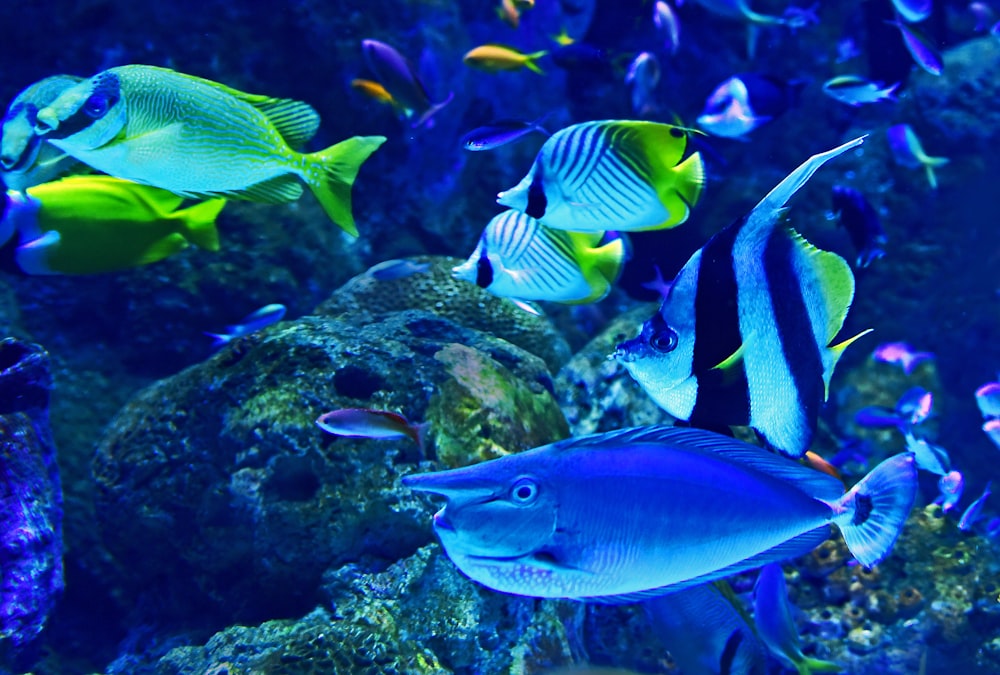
(219, 339)
(609, 257)
(871, 514)
(420, 436)
(931, 163)
(337, 168)
(199, 223)
(682, 190)
(529, 61)
(430, 112)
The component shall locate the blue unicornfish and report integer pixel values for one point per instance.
(199, 138)
(251, 323)
(611, 175)
(96, 224)
(707, 631)
(746, 334)
(519, 258)
(862, 223)
(637, 513)
(773, 616)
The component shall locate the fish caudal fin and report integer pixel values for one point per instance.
(606, 259)
(684, 190)
(529, 61)
(199, 223)
(871, 514)
(809, 665)
(337, 167)
(931, 163)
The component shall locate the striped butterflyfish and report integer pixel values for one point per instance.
(517, 257)
(198, 139)
(611, 175)
(744, 336)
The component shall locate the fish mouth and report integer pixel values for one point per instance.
(629, 351)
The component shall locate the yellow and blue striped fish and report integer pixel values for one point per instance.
(198, 138)
(611, 175)
(519, 258)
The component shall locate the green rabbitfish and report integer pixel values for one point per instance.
(198, 138)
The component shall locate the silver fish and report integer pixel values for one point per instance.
(642, 512)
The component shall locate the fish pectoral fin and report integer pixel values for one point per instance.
(731, 363)
(548, 560)
(47, 241)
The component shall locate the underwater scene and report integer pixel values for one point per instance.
(520, 337)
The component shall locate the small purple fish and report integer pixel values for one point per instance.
(950, 486)
(991, 428)
(900, 354)
(971, 514)
(251, 323)
(397, 75)
(924, 53)
(368, 423)
(501, 132)
(988, 399)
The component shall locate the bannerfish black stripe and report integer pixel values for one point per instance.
(798, 345)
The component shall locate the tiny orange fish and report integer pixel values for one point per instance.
(820, 464)
(374, 91)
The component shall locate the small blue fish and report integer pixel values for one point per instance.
(369, 423)
(707, 631)
(991, 428)
(971, 514)
(913, 11)
(862, 223)
(950, 488)
(251, 323)
(501, 132)
(988, 399)
(746, 101)
(912, 408)
(929, 457)
(642, 77)
(390, 270)
(773, 615)
(924, 53)
(901, 354)
(668, 28)
(855, 90)
(909, 152)
(639, 513)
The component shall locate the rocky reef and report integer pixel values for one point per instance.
(31, 565)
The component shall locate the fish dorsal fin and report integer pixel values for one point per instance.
(296, 121)
(814, 483)
(768, 211)
(792, 548)
(836, 282)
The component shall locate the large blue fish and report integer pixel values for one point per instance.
(744, 336)
(630, 514)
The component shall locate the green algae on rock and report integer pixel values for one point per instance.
(482, 411)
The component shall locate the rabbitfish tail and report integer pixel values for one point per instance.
(330, 174)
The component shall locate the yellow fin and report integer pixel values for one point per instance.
(835, 279)
(529, 61)
(837, 351)
(338, 167)
(164, 248)
(199, 223)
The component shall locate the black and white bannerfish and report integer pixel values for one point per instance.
(743, 336)
(622, 175)
(519, 258)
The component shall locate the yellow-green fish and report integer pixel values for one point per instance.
(95, 224)
(198, 138)
(25, 159)
(494, 58)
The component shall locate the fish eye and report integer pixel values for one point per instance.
(524, 492)
(97, 105)
(664, 340)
